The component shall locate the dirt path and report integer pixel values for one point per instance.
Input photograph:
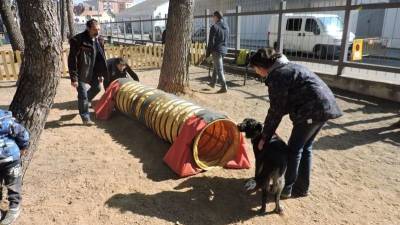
(113, 173)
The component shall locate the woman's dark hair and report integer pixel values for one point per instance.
(91, 22)
(120, 61)
(264, 57)
(218, 14)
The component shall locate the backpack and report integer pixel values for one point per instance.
(9, 150)
(6, 121)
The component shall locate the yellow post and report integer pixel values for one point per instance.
(196, 52)
(148, 53)
(356, 53)
(192, 54)
(19, 60)
(131, 57)
(14, 70)
(159, 55)
(62, 63)
(7, 73)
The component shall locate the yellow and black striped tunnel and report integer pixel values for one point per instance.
(215, 144)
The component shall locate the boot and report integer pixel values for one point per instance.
(11, 216)
(224, 89)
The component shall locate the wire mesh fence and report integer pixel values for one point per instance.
(319, 33)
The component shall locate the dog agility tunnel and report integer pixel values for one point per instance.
(201, 139)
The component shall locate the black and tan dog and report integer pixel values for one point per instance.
(271, 163)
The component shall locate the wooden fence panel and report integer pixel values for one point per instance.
(138, 57)
(7, 74)
(13, 63)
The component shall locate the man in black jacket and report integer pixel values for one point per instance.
(217, 46)
(87, 65)
(118, 68)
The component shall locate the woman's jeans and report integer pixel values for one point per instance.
(218, 69)
(297, 177)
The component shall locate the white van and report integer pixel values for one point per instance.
(319, 34)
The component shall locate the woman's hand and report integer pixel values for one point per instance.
(261, 144)
(74, 84)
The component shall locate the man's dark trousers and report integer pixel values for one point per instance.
(85, 96)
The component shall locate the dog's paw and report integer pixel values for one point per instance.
(262, 211)
(279, 210)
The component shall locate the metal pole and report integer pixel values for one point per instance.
(238, 10)
(207, 23)
(118, 31)
(58, 11)
(282, 7)
(124, 31)
(133, 33)
(153, 28)
(141, 28)
(345, 35)
(110, 28)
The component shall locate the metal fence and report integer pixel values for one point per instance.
(318, 33)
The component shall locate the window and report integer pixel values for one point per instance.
(293, 24)
(332, 24)
(311, 25)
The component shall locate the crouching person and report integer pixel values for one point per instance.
(118, 68)
(14, 141)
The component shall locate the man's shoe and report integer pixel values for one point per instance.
(212, 85)
(222, 90)
(300, 194)
(286, 195)
(88, 122)
(11, 216)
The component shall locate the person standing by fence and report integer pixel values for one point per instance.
(87, 65)
(217, 47)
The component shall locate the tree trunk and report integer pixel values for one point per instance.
(40, 69)
(174, 72)
(64, 20)
(70, 13)
(10, 21)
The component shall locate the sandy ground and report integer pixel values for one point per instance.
(113, 173)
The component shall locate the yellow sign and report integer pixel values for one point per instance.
(356, 53)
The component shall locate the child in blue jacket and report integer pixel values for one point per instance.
(14, 140)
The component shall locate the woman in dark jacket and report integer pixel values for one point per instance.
(294, 90)
(118, 68)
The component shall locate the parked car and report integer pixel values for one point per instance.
(319, 34)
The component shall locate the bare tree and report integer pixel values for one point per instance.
(70, 14)
(7, 11)
(40, 69)
(174, 72)
(64, 19)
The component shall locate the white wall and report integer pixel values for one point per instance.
(161, 10)
(391, 28)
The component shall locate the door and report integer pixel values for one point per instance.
(292, 34)
(311, 35)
